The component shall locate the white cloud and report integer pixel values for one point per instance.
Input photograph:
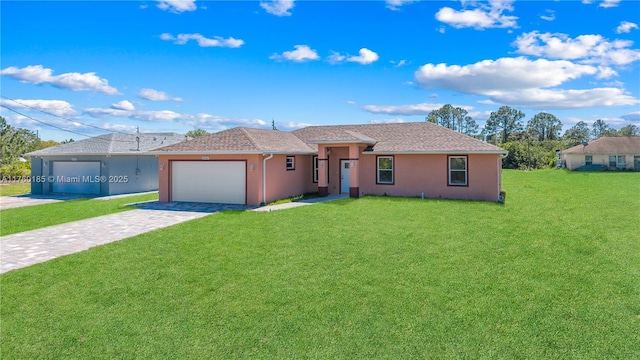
(609, 3)
(523, 82)
(586, 48)
(565, 99)
(278, 7)
(504, 74)
(481, 15)
(300, 54)
(399, 63)
(156, 95)
(633, 116)
(365, 57)
(123, 105)
(57, 107)
(146, 115)
(202, 41)
(37, 74)
(410, 109)
(397, 4)
(550, 15)
(625, 27)
(587, 2)
(177, 6)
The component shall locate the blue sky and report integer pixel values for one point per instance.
(94, 67)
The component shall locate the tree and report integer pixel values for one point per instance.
(629, 130)
(65, 141)
(504, 122)
(197, 133)
(454, 118)
(544, 126)
(15, 142)
(577, 134)
(599, 129)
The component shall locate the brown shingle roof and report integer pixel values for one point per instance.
(608, 145)
(418, 137)
(243, 140)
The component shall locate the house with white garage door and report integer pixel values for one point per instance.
(108, 164)
(253, 166)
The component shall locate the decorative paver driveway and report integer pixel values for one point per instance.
(35, 246)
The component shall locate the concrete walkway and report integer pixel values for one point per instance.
(40, 245)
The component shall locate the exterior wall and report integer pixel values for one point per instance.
(114, 166)
(428, 174)
(281, 183)
(146, 179)
(337, 153)
(574, 161)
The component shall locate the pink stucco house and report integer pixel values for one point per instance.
(253, 166)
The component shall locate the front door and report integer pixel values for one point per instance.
(344, 176)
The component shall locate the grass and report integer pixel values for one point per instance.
(17, 188)
(554, 273)
(38, 216)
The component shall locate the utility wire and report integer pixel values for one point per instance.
(71, 131)
(58, 116)
(42, 122)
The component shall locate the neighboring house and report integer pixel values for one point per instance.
(622, 152)
(103, 165)
(254, 166)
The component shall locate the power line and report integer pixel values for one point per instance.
(71, 131)
(42, 122)
(58, 116)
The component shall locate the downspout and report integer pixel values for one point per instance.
(502, 156)
(264, 178)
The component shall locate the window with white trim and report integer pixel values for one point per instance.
(291, 165)
(385, 170)
(315, 169)
(457, 170)
(588, 159)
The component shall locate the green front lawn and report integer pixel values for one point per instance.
(38, 216)
(553, 273)
(15, 188)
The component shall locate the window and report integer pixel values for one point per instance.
(458, 170)
(385, 170)
(588, 160)
(612, 161)
(622, 163)
(291, 165)
(315, 169)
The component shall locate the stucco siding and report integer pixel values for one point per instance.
(574, 161)
(428, 174)
(124, 177)
(283, 183)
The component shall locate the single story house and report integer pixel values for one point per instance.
(108, 164)
(253, 166)
(616, 153)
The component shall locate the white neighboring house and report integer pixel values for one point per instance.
(614, 153)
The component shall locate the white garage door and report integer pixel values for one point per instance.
(76, 177)
(209, 181)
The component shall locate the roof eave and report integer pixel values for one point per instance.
(232, 152)
(365, 142)
(436, 152)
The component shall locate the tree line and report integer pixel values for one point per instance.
(14, 143)
(532, 144)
